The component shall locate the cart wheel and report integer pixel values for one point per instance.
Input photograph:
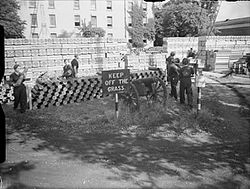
(131, 97)
(159, 92)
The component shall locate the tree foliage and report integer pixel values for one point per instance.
(149, 30)
(10, 20)
(89, 31)
(158, 19)
(181, 18)
(136, 31)
(184, 19)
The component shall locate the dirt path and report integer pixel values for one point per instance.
(215, 157)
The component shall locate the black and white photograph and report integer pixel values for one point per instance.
(129, 94)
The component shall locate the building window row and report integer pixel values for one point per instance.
(52, 20)
(33, 4)
(77, 21)
(52, 35)
(109, 21)
(51, 4)
(130, 6)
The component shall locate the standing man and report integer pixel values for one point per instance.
(169, 60)
(173, 73)
(16, 79)
(67, 70)
(186, 72)
(75, 66)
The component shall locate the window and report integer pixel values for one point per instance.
(129, 20)
(52, 20)
(109, 5)
(35, 35)
(77, 20)
(33, 20)
(130, 6)
(110, 35)
(51, 4)
(93, 4)
(144, 6)
(109, 21)
(144, 21)
(32, 3)
(76, 4)
(93, 21)
(53, 35)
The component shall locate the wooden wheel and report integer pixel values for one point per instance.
(131, 97)
(159, 92)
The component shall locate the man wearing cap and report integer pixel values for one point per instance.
(169, 60)
(20, 95)
(186, 72)
(75, 66)
(173, 74)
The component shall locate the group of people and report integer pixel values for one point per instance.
(180, 72)
(18, 77)
(70, 70)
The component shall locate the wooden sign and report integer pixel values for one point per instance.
(200, 81)
(115, 81)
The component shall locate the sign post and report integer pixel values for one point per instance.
(114, 82)
(200, 83)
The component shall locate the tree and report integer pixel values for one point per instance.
(181, 19)
(149, 30)
(158, 19)
(10, 20)
(136, 31)
(185, 18)
(89, 31)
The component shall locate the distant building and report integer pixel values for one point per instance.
(234, 27)
(50, 18)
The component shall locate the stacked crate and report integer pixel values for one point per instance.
(41, 55)
(181, 45)
(76, 90)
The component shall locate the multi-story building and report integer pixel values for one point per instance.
(50, 18)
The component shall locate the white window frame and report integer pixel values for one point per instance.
(94, 25)
(35, 34)
(144, 6)
(51, 4)
(33, 16)
(52, 20)
(76, 4)
(53, 35)
(130, 6)
(109, 21)
(93, 5)
(32, 4)
(110, 35)
(77, 19)
(109, 5)
(129, 20)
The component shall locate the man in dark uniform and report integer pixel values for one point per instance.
(173, 74)
(169, 60)
(186, 72)
(67, 70)
(16, 79)
(75, 66)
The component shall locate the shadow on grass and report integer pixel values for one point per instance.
(12, 170)
(136, 158)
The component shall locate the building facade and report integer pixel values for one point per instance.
(52, 18)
